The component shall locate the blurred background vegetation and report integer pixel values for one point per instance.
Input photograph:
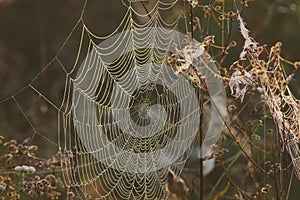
(32, 32)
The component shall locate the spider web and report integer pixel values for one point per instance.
(122, 106)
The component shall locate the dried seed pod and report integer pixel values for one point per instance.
(296, 65)
(231, 14)
(222, 17)
(232, 44)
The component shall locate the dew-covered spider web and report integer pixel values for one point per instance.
(126, 118)
(130, 112)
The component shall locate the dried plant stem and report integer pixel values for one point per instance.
(144, 6)
(201, 141)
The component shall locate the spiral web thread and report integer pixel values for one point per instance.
(122, 115)
(82, 169)
(123, 96)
